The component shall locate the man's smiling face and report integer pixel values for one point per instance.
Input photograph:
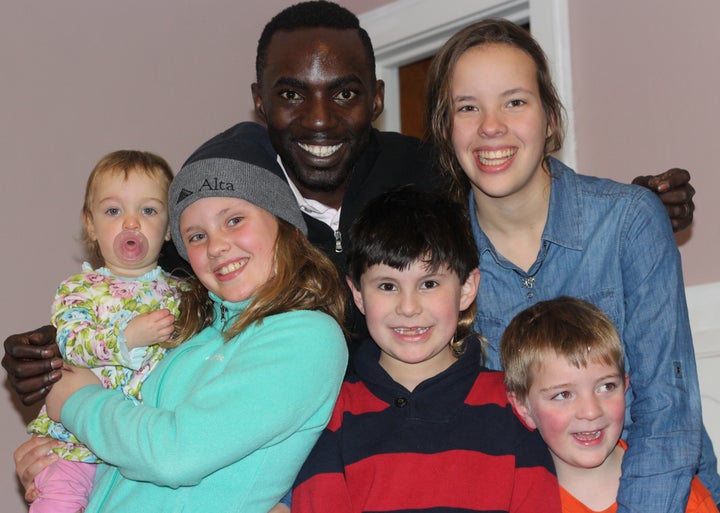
(318, 99)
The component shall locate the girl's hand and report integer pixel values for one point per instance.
(73, 379)
(30, 459)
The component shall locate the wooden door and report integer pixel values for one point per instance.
(412, 97)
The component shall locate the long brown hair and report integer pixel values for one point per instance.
(439, 107)
(305, 279)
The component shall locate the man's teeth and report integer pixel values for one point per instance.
(411, 331)
(227, 269)
(320, 151)
(495, 157)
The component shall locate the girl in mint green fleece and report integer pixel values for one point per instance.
(229, 416)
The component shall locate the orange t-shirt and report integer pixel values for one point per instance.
(700, 500)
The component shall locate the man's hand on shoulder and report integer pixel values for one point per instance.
(33, 363)
(674, 190)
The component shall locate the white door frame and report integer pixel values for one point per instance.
(405, 31)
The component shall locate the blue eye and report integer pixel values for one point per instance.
(113, 211)
(149, 211)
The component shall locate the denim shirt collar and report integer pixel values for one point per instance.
(564, 225)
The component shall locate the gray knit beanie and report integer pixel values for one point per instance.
(238, 163)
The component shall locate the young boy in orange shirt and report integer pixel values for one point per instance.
(565, 376)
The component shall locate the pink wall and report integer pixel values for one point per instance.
(646, 82)
(81, 78)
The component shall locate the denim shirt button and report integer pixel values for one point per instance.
(401, 402)
(530, 295)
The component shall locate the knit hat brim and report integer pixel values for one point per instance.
(234, 164)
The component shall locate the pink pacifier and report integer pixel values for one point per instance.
(130, 246)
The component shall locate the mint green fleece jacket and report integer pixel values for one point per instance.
(224, 426)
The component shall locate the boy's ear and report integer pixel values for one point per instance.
(627, 381)
(89, 226)
(468, 291)
(356, 294)
(167, 235)
(522, 410)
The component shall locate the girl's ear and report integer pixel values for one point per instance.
(468, 291)
(167, 235)
(551, 126)
(89, 226)
(522, 410)
(627, 381)
(356, 294)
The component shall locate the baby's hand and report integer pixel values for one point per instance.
(150, 328)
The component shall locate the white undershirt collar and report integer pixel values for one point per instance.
(313, 208)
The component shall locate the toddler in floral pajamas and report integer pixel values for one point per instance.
(116, 319)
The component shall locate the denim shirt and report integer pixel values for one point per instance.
(612, 245)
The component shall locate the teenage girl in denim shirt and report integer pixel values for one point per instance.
(543, 231)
